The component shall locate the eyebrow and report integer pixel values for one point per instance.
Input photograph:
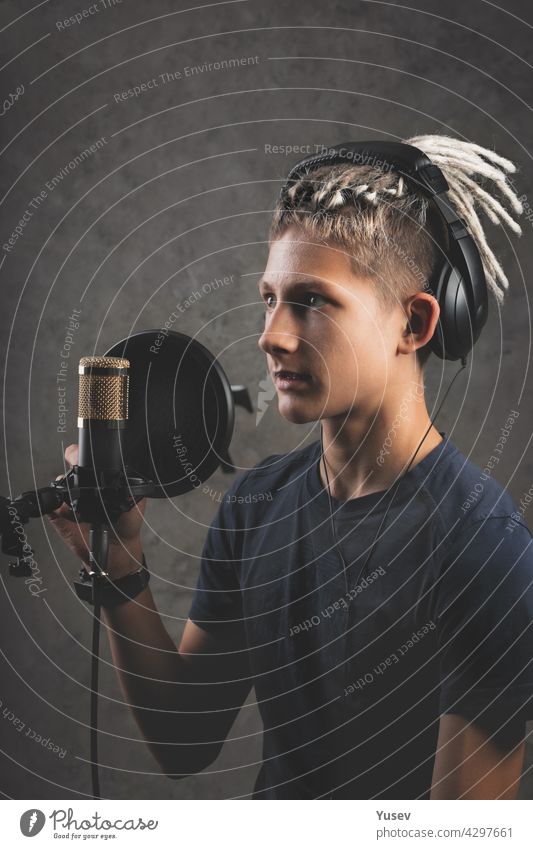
(297, 285)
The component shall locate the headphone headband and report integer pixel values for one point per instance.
(395, 156)
(459, 284)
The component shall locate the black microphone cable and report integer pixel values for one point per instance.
(95, 777)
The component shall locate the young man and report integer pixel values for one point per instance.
(389, 645)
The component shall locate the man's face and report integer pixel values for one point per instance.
(327, 325)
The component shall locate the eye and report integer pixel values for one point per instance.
(310, 299)
(314, 296)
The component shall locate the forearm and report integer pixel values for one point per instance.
(143, 652)
(470, 765)
(145, 657)
(155, 680)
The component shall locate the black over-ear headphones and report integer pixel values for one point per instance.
(458, 283)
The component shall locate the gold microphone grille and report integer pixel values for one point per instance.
(104, 362)
(103, 396)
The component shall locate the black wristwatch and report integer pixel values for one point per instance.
(113, 593)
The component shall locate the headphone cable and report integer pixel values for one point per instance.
(394, 488)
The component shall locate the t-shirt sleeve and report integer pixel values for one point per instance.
(217, 603)
(484, 622)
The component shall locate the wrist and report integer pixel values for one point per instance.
(115, 589)
(122, 559)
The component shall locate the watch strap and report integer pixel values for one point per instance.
(114, 593)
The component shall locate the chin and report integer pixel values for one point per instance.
(297, 413)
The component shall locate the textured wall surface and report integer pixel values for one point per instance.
(176, 192)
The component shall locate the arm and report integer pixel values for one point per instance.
(484, 611)
(184, 699)
(469, 765)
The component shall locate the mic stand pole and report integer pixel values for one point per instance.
(98, 551)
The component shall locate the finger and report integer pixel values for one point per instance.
(140, 505)
(71, 454)
(63, 513)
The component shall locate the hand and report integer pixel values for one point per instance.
(125, 550)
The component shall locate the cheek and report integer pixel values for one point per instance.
(373, 342)
(350, 343)
(353, 349)
(359, 361)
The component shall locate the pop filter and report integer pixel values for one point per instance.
(181, 411)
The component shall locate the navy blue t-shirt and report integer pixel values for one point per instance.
(352, 671)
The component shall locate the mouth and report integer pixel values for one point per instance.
(291, 379)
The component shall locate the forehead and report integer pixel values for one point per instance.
(297, 253)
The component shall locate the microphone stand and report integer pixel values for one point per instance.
(98, 551)
(102, 487)
(103, 496)
(99, 499)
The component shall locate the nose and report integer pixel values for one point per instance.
(280, 332)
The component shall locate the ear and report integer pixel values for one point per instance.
(421, 315)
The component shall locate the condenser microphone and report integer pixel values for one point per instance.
(102, 414)
(101, 479)
(155, 420)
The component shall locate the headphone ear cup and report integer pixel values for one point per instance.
(437, 286)
(453, 337)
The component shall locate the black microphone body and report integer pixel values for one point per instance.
(102, 420)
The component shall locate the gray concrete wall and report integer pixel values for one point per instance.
(178, 192)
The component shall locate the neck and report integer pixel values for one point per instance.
(368, 454)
